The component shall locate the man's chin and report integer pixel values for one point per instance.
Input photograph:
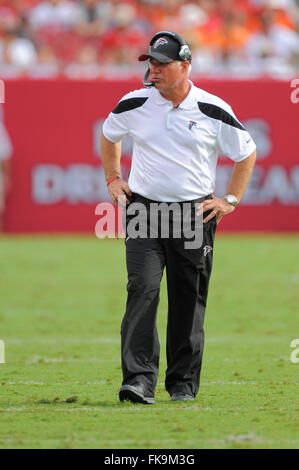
(158, 84)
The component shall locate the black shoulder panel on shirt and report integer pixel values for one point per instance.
(127, 105)
(215, 112)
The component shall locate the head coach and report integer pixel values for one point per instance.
(178, 131)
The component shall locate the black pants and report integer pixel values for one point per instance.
(188, 273)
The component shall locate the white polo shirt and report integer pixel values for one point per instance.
(175, 150)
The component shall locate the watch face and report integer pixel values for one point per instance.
(231, 199)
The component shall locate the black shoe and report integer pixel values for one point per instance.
(136, 393)
(180, 396)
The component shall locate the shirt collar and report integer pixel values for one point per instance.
(187, 103)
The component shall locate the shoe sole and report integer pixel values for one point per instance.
(129, 393)
(182, 399)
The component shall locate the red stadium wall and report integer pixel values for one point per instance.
(58, 178)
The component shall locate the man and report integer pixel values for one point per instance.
(177, 131)
(5, 167)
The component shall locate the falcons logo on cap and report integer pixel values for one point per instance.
(159, 42)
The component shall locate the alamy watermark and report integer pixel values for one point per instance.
(2, 92)
(153, 220)
(2, 352)
(295, 354)
(295, 93)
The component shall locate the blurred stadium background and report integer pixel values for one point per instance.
(92, 38)
(64, 65)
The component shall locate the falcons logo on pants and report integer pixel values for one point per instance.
(207, 250)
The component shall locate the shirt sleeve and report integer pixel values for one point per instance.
(115, 127)
(233, 139)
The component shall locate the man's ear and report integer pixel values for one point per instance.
(185, 66)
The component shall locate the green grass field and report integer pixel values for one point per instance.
(62, 301)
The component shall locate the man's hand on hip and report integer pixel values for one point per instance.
(218, 206)
(116, 191)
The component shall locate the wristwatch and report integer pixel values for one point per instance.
(231, 199)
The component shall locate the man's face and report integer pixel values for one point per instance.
(167, 76)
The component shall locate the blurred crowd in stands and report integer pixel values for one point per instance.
(89, 39)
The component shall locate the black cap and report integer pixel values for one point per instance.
(164, 50)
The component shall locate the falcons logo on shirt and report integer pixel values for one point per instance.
(159, 42)
(191, 124)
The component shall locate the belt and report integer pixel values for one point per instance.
(138, 198)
